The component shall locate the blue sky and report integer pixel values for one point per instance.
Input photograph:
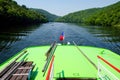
(63, 7)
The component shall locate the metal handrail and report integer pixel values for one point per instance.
(105, 77)
(108, 63)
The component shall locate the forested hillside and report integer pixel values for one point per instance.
(78, 17)
(50, 17)
(106, 16)
(12, 13)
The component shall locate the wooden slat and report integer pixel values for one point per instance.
(25, 68)
(12, 70)
(9, 70)
(25, 77)
(23, 71)
(20, 76)
(14, 77)
(29, 64)
(15, 70)
(27, 71)
(6, 69)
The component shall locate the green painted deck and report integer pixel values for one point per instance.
(68, 60)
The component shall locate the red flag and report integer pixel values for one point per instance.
(61, 36)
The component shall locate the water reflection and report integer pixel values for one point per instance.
(109, 36)
(6, 39)
(9, 36)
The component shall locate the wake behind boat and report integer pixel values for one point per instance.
(62, 62)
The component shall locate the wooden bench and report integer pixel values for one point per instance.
(7, 75)
(10, 66)
(6, 69)
(18, 71)
(23, 72)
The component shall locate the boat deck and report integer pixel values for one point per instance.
(69, 62)
(73, 63)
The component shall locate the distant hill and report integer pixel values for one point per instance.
(14, 14)
(106, 16)
(79, 16)
(49, 16)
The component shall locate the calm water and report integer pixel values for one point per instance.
(12, 40)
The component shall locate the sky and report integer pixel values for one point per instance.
(63, 7)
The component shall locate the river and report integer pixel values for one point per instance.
(14, 39)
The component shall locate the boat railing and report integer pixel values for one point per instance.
(50, 49)
(51, 53)
(103, 72)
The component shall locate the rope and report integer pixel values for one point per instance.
(85, 55)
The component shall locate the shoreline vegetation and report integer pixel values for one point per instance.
(13, 14)
(106, 16)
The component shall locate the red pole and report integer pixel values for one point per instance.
(49, 70)
(118, 70)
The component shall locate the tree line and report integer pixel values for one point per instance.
(14, 14)
(106, 16)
